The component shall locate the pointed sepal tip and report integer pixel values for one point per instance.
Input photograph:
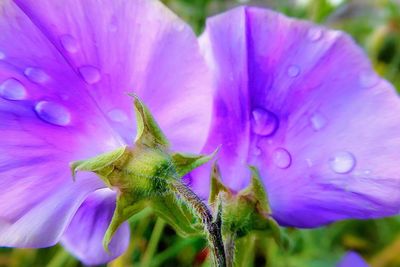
(148, 130)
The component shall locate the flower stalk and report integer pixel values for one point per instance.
(213, 228)
(230, 247)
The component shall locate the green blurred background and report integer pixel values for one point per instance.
(375, 25)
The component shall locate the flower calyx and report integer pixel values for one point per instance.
(243, 212)
(146, 174)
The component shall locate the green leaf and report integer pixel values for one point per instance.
(148, 131)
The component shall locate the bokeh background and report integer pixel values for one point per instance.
(375, 25)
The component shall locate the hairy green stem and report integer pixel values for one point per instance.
(230, 249)
(213, 228)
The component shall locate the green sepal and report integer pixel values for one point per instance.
(167, 206)
(186, 163)
(127, 205)
(246, 211)
(217, 187)
(278, 235)
(178, 215)
(102, 164)
(263, 221)
(148, 131)
(257, 191)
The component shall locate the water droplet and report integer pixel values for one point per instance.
(309, 162)
(36, 75)
(368, 79)
(69, 43)
(263, 122)
(293, 71)
(53, 113)
(2, 55)
(113, 28)
(12, 89)
(342, 162)
(314, 34)
(90, 74)
(113, 24)
(117, 115)
(282, 158)
(180, 26)
(318, 121)
(257, 151)
(367, 172)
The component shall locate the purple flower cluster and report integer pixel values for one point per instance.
(298, 101)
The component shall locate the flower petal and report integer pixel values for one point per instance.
(303, 104)
(137, 46)
(35, 213)
(85, 233)
(47, 119)
(352, 259)
(63, 66)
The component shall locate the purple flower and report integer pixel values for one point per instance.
(65, 70)
(303, 104)
(352, 259)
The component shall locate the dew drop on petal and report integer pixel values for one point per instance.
(314, 34)
(36, 75)
(113, 26)
(342, 162)
(2, 55)
(368, 79)
(293, 71)
(318, 121)
(179, 26)
(257, 151)
(367, 172)
(281, 158)
(309, 162)
(263, 122)
(117, 115)
(69, 43)
(12, 89)
(53, 113)
(90, 74)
